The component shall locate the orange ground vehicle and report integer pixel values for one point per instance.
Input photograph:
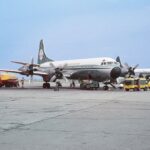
(8, 80)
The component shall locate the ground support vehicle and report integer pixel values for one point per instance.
(89, 85)
(8, 80)
(1, 83)
(148, 84)
(11, 83)
(135, 84)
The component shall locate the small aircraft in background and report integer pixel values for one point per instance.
(8, 80)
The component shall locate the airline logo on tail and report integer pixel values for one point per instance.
(41, 54)
(42, 58)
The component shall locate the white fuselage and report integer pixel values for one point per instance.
(98, 69)
(102, 62)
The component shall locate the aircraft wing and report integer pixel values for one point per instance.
(13, 71)
(40, 73)
(23, 63)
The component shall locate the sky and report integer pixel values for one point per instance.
(73, 29)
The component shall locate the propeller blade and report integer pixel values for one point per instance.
(126, 65)
(30, 67)
(31, 78)
(135, 67)
(32, 61)
(66, 80)
(119, 61)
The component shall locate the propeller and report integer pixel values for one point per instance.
(119, 61)
(28, 69)
(131, 70)
(126, 69)
(58, 71)
(31, 69)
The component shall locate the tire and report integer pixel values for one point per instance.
(47, 85)
(105, 88)
(44, 85)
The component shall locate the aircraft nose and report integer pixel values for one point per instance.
(115, 72)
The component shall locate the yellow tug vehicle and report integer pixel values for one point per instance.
(8, 80)
(149, 84)
(136, 84)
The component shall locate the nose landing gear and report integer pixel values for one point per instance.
(106, 88)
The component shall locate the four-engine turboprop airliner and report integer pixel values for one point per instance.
(98, 69)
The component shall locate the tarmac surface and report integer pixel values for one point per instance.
(72, 119)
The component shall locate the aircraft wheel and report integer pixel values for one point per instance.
(47, 85)
(105, 87)
(44, 85)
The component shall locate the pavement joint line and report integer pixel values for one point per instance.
(23, 125)
(55, 117)
(88, 132)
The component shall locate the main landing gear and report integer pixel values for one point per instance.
(58, 85)
(106, 88)
(46, 85)
(72, 84)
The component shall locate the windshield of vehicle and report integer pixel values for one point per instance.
(129, 82)
(142, 82)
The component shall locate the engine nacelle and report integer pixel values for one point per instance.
(115, 72)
